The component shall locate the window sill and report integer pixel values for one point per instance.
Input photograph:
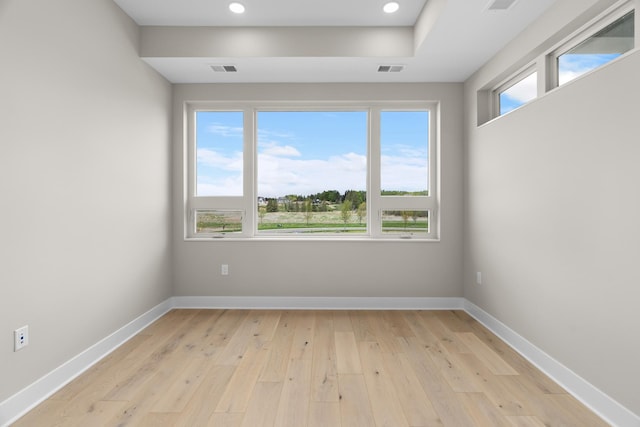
(311, 239)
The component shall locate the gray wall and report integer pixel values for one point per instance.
(550, 210)
(552, 214)
(84, 181)
(323, 268)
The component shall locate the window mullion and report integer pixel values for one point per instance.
(250, 173)
(189, 165)
(374, 161)
(190, 156)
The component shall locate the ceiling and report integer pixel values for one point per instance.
(325, 41)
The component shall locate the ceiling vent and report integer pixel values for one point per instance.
(499, 5)
(390, 68)
(224, 68)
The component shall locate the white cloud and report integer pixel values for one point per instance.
(279, 176)
(224, 130)
(214, 159)
(567, 76)
(229, 186)
(272, 149)
(404, 173)
(349, 162)
(282, 172)
(405, 151)
(219, 174)
(525, 90)
(575, 65)
(265, 135)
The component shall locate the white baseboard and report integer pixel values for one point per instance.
(600, 403)
(320, 303)
(610, 410)
(28, 398)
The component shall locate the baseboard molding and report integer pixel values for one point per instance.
(600, 403)
(610, 410)
(29, 397)
(320, 303)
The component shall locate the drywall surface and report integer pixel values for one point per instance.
(551, 214)
(326, 268)
(84, 181)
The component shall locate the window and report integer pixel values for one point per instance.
(596, 50)
(363, 171)
(515, 94)
(217, 222)
(608, 37)
(312, 171)
(405, 222)
(219, 141)
(404, 145)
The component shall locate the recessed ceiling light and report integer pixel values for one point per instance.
(391, 7)
(236, 7)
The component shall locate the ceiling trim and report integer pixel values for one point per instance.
(239, 42)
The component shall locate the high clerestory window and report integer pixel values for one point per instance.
(300, 171)
(608, 37)
(584, 54)
(517, 91)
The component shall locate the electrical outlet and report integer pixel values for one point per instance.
(21, 338)
(224, 269)
(478, 278)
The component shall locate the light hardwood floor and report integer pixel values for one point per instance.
(312, 368)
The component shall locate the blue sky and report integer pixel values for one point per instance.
(520, 93)
(573, 65)
(219, 144)
(404, 143)
(570, 66)
(309, 152)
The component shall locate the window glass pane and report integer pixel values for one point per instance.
(219, 142)
(405, 222)
(218, 221)
(519, 94)
(312, 171)
(404, 145)
(604, 46)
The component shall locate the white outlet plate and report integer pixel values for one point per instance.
(478, 278)
(224, 269)
(21, 338)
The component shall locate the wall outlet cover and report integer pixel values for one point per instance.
(21, 338)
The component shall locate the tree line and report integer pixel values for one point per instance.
(319, 202)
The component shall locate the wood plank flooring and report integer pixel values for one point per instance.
(251, 368)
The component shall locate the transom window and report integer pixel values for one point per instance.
(363, 171)
(517, 92)
(608, 37)
(596, 50)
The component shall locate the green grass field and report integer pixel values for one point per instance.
(319, 222)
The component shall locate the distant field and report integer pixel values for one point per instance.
(330, 221)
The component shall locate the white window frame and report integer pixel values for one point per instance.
(377, 203)
(222, 203)
(507, 84)
(590, 29)
(248, 202)
(546, 63)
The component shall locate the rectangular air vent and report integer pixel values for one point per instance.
(224, 68)
(498, 5)
(390, 68)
